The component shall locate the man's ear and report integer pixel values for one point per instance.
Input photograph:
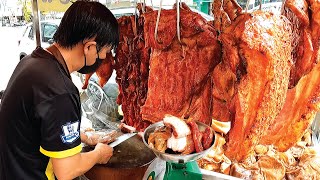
(89, 47)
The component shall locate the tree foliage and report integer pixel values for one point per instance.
(26, 9)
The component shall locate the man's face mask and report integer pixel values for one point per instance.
(90, 69)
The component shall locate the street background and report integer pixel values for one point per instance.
(9, 55)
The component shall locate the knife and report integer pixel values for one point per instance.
(121, 138)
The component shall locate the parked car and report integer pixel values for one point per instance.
(27, 43)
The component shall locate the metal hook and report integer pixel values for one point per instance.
(135, 10)
(247, 6)
(152, 4)
(178, 19)
(260, 6)
(157, 23)
(135, 30)
(144, 6)
(282, 6)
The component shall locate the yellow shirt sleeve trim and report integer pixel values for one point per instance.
(62, 154)
(49, 171)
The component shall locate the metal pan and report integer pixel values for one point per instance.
(175, 158)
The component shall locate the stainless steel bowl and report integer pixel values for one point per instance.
(175, 158)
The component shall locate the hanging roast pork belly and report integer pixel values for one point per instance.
(264, 55)
(180, 72)
(302, 101)
(132, 67)
(302, 53)
(300, 108)
(252, 80)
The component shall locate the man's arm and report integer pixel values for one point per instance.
(76, 165)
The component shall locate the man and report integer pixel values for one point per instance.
(40, 109)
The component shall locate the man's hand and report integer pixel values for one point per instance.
(105, 152)
(92, 138)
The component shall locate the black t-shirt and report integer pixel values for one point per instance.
(39, 118)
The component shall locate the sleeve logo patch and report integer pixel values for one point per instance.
(70, 132)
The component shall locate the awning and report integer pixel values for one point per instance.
(54, 5)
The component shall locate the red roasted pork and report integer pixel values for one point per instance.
(180, 72)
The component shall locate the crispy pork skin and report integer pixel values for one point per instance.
(303, 99)
(315, 28)
(179, 81)
(308, 168)
(179, 126)
(265, 168)
(177, 144)
(296, 11)
(300, 108)
(270, 90)
(255, 65)
(126, 128)
(221, 127)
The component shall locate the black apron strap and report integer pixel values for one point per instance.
(56, 53)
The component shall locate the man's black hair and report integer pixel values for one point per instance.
(85, 20)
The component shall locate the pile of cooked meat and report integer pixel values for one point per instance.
(257, 74)
(180, 136)
(299, 162)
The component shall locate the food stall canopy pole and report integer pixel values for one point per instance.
(35, 20)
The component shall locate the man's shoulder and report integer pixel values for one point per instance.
(38, 53)
(40, 70)
(39, 63)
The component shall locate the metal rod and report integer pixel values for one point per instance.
(282, 7)
(157, 23)
(260, 6)
(135, 10)
(36, 22)
(247, 5)
(135, 31)
(178, 19)
(144, 6)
